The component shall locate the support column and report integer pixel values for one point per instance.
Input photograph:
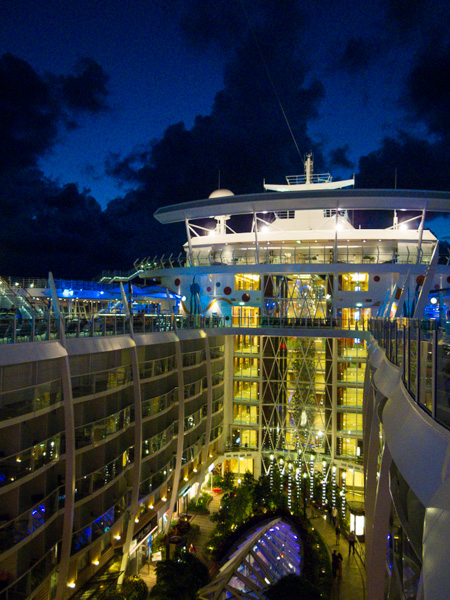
(208, 414)
(376, 556)
(180, 437)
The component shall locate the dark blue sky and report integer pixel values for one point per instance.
(159, 75)
(155, 79)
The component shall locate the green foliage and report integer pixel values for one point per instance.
(293, 587)
(228, 481)
(179, 578)
(201, 506)
(133, 588)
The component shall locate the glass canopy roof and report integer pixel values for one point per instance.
(262, 557)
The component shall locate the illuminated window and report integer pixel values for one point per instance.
(247, 282)
(354, 282)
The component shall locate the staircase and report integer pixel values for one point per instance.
(16, 297)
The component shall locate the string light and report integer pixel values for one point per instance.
(271, 472)
(311, 480)
(344, 476)
(333, 487)
(290, 486)
(324, 483)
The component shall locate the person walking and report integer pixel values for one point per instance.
(334, 515)
(334, 563)
(338, 534)
(339, 564)
(351, 542)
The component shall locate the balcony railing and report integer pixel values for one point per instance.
(355, 253)
(421, 348)
(106, 325)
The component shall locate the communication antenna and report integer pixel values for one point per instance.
(269, 77)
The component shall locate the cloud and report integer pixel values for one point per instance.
(411, 162)
(427, 92)
(28, 115)
(357, 55)
(86, 90)
(339, 157)
(43, 223)
(408, 13)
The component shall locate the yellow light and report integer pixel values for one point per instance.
(72, 584)
(96, 563)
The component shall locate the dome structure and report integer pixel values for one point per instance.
(221, 193)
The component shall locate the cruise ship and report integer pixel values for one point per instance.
(302, 325)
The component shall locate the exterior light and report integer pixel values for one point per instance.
(72, 584)
(434, 300)
(403, 226)
(96, 563)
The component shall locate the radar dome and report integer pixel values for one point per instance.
(221, 193)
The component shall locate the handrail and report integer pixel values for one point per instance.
(102, 325)
(354, 253)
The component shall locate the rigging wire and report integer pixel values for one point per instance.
(269, 77)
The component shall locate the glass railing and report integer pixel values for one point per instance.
(156, 367)
(101, 381)
(354, 253)
(94, 432)
(152, 483)
(88, 534)
(158, 442)
(27, 461)
(421, 348)
(15, 530)
(26, 400)
(23, 586)
(86, 485)
(159, 323)
(154, 406)
(193, 451)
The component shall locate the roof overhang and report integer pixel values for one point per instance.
(352, 199)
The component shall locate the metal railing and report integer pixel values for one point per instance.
(118, 324)
(421, 349)
(346, 254)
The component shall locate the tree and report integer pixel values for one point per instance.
(179, 578)
(292, 587)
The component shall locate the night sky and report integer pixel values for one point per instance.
(109, 110)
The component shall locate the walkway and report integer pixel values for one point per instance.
(148, 573)
(352, 585)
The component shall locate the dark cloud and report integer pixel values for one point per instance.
(33, 109)
(245, 137)
(357, 55)
(410, 162)
(427, 93)
(28, 115)
(86, 90)
(339, 157)
(44, 224)
(407, 13)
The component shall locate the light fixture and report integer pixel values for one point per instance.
(96, 562)
(72, 584)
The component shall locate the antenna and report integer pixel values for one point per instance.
(269, 77)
